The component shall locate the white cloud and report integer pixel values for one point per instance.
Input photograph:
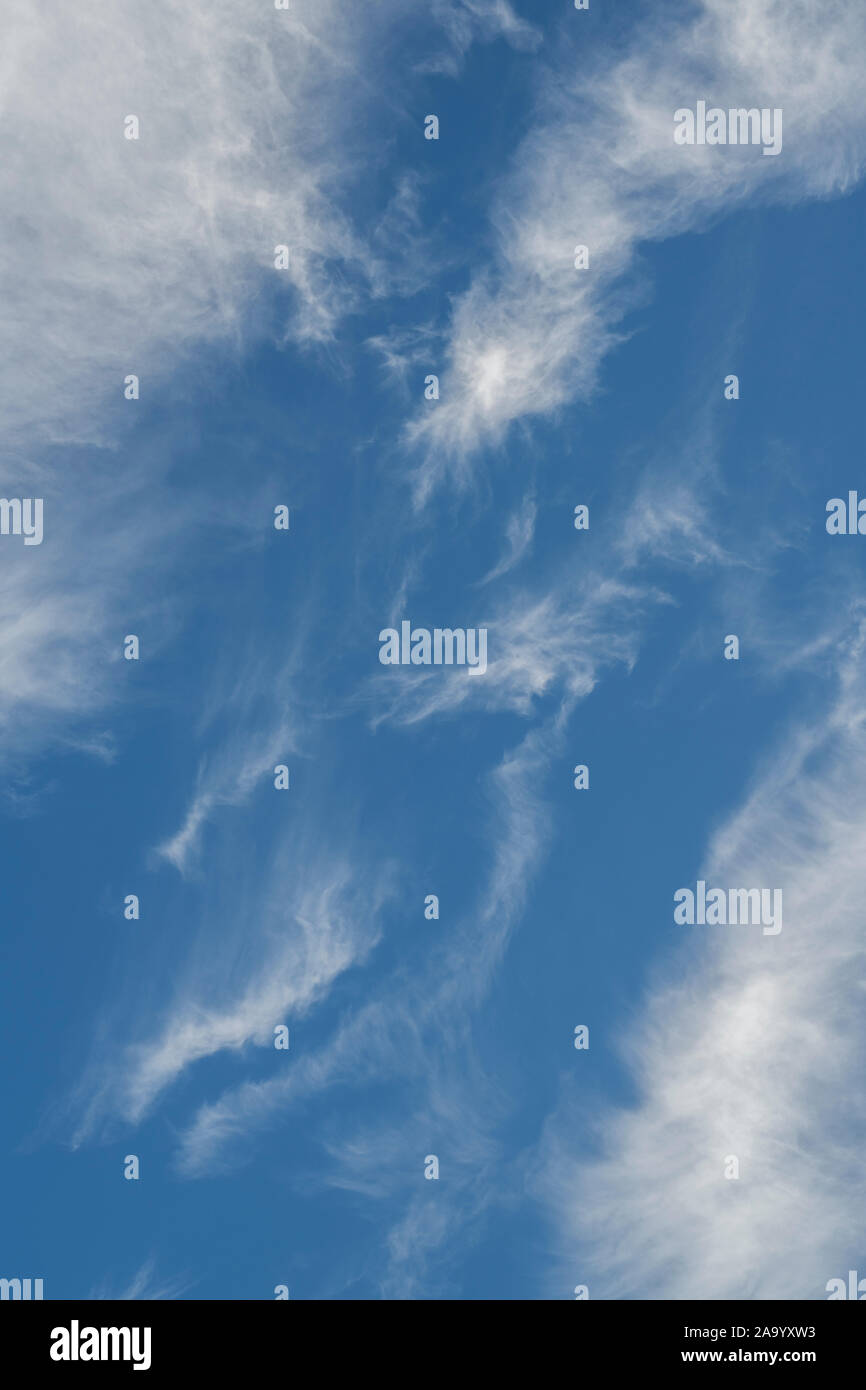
(121, 256)
(144, 256)
(267, 953)
(519, 531)
(68, 603)
(671, 523)
(124, 255)
(470, 20)
(385, 1036)
(245, 758)
(144, 1285)
(533, 642)
(749, 1045)
(600, 168)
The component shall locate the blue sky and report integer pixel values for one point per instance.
(602, 1167)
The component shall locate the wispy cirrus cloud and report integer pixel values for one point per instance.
(385, 1037)
(534, 640)
(470, 20)
(251, 724)
(600, 168)
(743, 1048)
(519, 531)
(144, 1284)
(154, 257)
(282, 942)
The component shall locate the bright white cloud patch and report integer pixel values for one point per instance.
(600, 169)
(750, 1047)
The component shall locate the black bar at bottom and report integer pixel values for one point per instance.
(85, 1338)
